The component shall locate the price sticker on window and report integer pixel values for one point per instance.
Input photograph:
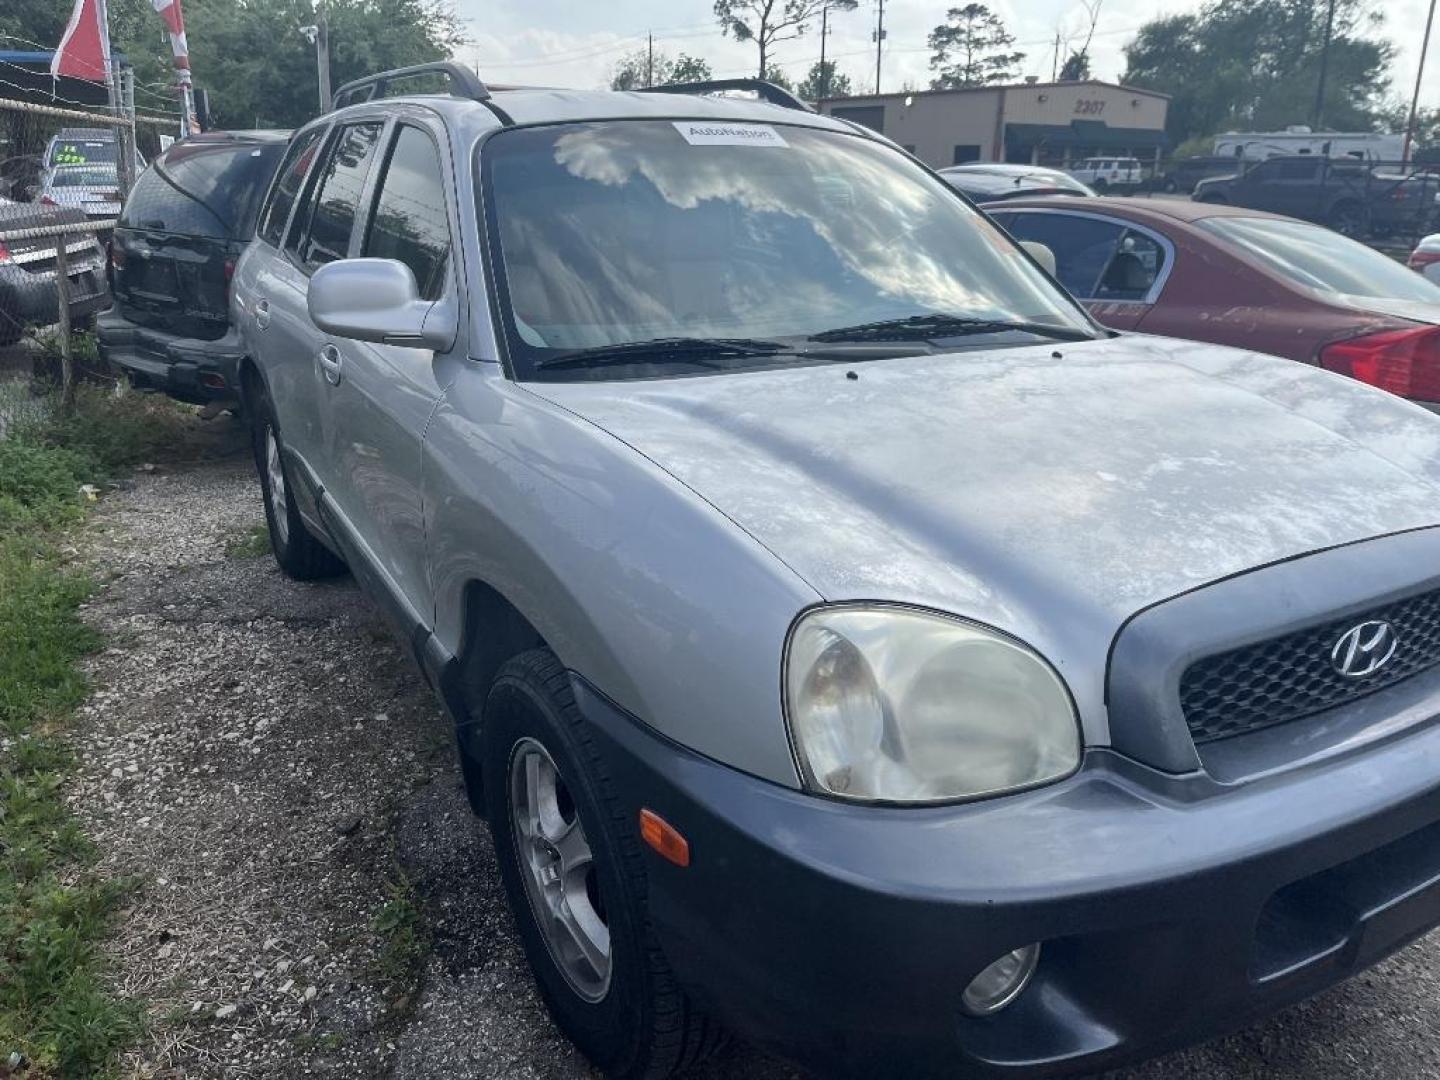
(711, 133)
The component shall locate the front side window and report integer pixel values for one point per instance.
(1084, 247)
(1322, 260)
(409, 223)
(291, 177)
(633, 231)
(336, 194)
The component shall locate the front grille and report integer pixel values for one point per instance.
(1285, 678)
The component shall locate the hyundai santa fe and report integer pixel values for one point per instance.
(849, 643)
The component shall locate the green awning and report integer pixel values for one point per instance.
(1094, 133)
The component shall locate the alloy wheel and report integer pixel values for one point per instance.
(559, 870)
(275, 473)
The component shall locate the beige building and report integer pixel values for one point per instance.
(1035, 122)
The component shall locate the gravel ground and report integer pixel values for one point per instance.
(265, 765)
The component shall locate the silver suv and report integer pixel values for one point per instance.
(849, 642)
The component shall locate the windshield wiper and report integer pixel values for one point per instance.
(929, 327)
(701, 352)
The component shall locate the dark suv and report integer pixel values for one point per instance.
(171, 259)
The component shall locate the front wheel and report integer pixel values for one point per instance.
(574, 873)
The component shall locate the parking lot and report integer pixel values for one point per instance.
(263, 757)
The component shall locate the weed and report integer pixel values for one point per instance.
(250, 543)
(403, 931)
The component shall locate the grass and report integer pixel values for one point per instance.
(403, 932)
(54, 906)
(249, 543)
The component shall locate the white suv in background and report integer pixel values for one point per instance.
(1104, 172)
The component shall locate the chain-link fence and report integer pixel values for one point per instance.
(63, 178)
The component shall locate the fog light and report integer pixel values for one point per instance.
(1000, 983)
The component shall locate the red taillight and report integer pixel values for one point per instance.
(46, 200)
(117, 255)
(1420, 259)
(4, 253)
(1405, 362)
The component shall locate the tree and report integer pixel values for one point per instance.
(251, 56)
(822, 81)
(779, 78)
(970, 49)
(769, 22)
(1255, 64)
(1076, 67)
(690, 69)
(640, 69)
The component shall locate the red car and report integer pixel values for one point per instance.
(1245, 278)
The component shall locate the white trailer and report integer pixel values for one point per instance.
(1259, 145)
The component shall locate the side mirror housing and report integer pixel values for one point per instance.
(1041, 254)
(377, 300)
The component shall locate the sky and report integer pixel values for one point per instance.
(575, 43)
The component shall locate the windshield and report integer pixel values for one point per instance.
(1323, 260)
(637, 231)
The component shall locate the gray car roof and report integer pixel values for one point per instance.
(541, 105)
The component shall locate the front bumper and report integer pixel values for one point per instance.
(194, 370)
(1170, 908)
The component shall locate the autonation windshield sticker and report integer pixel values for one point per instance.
(707, 133)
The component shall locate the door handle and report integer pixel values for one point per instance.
(262, 313)
(329, 357)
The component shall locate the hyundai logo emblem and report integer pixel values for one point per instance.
(1364, 649)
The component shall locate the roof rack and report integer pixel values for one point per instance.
(766, 91)
(462, 83)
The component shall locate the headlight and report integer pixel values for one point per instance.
(894, 705)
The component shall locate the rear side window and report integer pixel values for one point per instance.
(336, 195)
(1083, 246)
(205, 192)
(410, 223)
(293, 170)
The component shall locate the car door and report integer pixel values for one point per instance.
(321, 231)
(1116, 269)
(270, 284)
(1292, 186)
(378, 397)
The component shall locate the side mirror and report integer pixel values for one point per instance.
(377, 300)
(1041, 254)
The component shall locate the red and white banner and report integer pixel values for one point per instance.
(170, 11)
(81, 52)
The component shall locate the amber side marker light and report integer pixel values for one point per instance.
(664, 838)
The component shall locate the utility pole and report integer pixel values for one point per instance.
(824, 33)
(879, 39)
(1055, 63)
(322, 55)
(1415, 100)
(649, 59)
(1318, 113)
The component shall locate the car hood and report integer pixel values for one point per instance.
(1050, 491)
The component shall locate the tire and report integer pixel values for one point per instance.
(1101, 185)
(296, 550)
(1169, 186)
(633, 1021)
(1348, 219)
